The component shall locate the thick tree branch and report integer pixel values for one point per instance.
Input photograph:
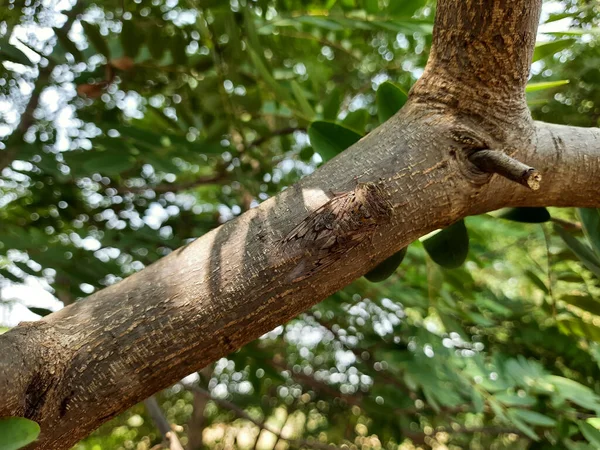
(79, 367)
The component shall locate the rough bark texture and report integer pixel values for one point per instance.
(79, 367)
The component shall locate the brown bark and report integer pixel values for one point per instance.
(79, 367)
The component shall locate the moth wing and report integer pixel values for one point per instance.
(320, 221)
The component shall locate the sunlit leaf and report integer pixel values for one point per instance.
(590, 433)
(545, 49)
(534, 87)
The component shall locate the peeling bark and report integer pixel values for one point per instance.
(81, 366)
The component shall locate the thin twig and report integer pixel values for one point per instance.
(176, 187)
(281, 132)
(493, 161)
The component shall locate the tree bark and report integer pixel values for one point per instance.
(78, 367)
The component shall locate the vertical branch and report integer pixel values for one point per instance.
(481, 54)
(162, 423)
(197, 421)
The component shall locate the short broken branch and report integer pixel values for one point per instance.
(493, 161)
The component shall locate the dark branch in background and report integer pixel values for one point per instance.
(261, 424)
(162, 423)
(175, 187)
(197, 421)
(570, 226)
(26, 120)
(493, 161)
(281, 132)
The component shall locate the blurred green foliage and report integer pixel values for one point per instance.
(138, 126)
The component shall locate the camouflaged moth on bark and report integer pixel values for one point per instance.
(335, 228)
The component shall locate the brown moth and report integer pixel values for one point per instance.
(337, 227)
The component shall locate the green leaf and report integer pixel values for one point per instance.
(157, 44)
(515, 400)
(585, 302)
(390, 98)
(357, 120)
(534, 87)
(332, 104)
(521, 425)
(9, 52)
(178, 45)
(545, 49)
(329, 139)
(40, 311)
(574, 32)
(264, 72)
(590, 218)
(302, 101)
(17, 432)
(534, 418)
(590, 433)
(320, 22)
(64, 44)
(574, 391)
(525, 215)
(131, 39)
(95, 37)
(386, 269)
(583, 252)
(404, 8)
(535, 279)
(450, 246)
(108, 163)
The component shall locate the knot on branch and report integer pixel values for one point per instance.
(493, 161)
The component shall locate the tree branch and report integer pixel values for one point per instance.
(242, 279)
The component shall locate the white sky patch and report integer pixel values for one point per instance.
(15, 298)
(559, 25)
